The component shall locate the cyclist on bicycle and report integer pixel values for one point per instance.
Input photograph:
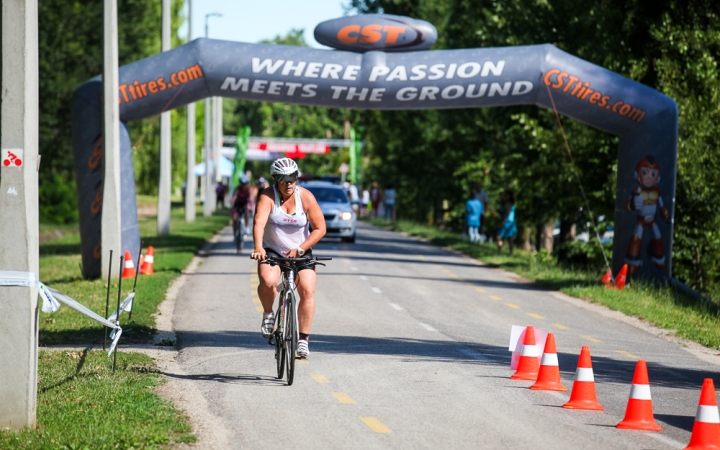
(240, 200)
(283, 216)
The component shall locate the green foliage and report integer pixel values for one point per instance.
(82, 404)
(434, 157)
(59, 199)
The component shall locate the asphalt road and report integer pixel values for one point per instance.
(409, 350)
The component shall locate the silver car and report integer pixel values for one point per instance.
(340, 219)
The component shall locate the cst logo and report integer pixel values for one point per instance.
(384, 32)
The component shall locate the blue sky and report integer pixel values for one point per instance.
(253, 20)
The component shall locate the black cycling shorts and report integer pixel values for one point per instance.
(274, 253)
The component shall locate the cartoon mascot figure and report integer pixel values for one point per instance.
(645, 202)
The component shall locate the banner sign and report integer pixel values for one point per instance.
(366, 78)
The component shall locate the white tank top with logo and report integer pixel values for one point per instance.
(283, 231)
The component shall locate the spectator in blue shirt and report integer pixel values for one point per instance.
(473, 211)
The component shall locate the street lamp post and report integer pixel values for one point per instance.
(163, 217)
(209, 202)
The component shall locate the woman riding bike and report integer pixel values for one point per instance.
(283, 216)
(240, 202)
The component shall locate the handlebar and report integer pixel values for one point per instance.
(274, 260)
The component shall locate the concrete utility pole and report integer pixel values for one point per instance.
(111, 237)
(163, 217)
(190, 181)
(218, 136)
(19, 248)
(209, 202)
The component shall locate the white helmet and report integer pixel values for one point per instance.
(283, 166)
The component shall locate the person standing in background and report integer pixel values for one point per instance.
(364, 203)
(481, 195)
(375, 199)
(354, 197)
(389, 202)
(508, 229)
(220, 195)
(473, 210)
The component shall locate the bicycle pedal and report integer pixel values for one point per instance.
(271, 342)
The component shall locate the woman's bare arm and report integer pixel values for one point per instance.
(262, 212)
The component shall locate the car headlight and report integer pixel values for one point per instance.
(346, 216)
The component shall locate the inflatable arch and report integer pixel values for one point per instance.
(645, 120)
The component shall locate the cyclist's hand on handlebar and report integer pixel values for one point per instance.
(259, 254)
(292, 253)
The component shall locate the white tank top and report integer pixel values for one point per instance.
(284, 232)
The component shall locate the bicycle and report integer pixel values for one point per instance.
(286, 334)
(239, 230)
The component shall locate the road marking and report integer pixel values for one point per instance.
(666, 440)
(302, 361)
(537, 316)
(470, 284)
(561, 326)
(259, 308)
(363, 277)
(421, 256)
(256, 300)
(495, 297)
(344, 398)
(452, 275)
(319, 378)
(628, 354)
(254, 285)
(480, 290)
(427, 327)
(375, 425)
(513, 305)
(377, 290)
(396, 306)
(354, 268)
(473, 354)
(592, 339)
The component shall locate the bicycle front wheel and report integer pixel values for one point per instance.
(279, 342)
(291, 337)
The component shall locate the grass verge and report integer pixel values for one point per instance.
(60, 269)
(82, 404)
(661, 305)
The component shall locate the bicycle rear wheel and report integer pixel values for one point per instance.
(291, 337)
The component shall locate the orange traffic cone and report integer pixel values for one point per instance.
(548, 378)
(583, 390)
(639, 412)
(141, 263)
(607, 278)
(147, 267)
(528, 364)
(622, 277)
(129, 268)
(706, 430)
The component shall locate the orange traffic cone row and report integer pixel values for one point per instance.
(607, 278)
(621, 279)
(147, 267)
(548, 378)
(706, 430)
(583, 390)
(639, 412)
(528, 364)
(129, 268)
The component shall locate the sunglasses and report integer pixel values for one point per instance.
(286, 178)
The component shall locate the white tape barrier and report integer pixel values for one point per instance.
(51, 298)
(126, 305)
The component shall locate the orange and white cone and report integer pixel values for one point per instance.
(639, 412)
(706, 430)
(129, 268)
(528, 364)
(607, 278)
(583, 391)
(147, 267)
(621, 279)
(548, 378)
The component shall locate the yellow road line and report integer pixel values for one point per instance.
(513, 306)
(375, 425)
(591, 339)
(319, 378)
(495, 297)
(259, 308)
(537, 316)
(254, 285)
(469, 284)
(344, 398)
(302, 361)
(256, 300)
(561, 326)
(445, 270)
(421, 256)
(628, 354)
(480, 289)
(452, 275)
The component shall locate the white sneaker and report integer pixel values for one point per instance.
(268, 324)
(302, 349)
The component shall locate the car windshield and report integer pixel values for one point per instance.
(328, 195)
